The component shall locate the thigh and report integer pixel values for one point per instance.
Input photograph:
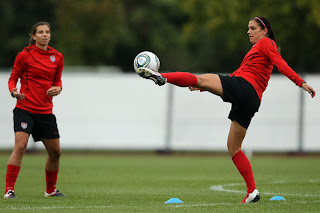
(23, 121)
(243, 114)
(45, 127)
(210, 83)
(237, 90)
(21, 140)
(54, 152)
(52, 146)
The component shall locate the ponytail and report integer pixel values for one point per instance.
(271, 35)
(265, 23)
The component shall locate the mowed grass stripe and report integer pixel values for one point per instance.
(108, 182)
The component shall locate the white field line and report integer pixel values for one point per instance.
(233, 204)
(204, 205)
(214, 188)
(56, 207)
(171, 206)
(221, 188)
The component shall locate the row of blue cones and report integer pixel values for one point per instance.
(177, 200)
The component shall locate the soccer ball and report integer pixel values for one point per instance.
(146, 59)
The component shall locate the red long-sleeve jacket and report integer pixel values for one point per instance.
(257, 66)
(38, 70)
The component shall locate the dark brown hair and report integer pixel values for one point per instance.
(34, 31)
(265, 23)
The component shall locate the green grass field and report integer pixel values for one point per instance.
(143, 182)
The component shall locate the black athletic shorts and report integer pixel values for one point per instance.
(39, 125)
(243, 97)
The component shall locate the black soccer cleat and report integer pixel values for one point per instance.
(10, 194)
(55, 193)
(152, 75)
(252, 197)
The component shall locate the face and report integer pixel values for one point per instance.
(255, 32)
(42, 36)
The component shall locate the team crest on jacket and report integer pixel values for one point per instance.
(24, 125)
(52, 58)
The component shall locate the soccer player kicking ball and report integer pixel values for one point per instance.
(243, 89)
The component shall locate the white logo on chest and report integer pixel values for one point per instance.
(52, 58)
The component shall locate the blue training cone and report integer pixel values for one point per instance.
(277, 198)
(174, 200)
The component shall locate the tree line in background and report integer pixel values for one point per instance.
(191, 35)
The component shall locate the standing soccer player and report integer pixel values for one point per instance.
(39, 68)
(243, 89)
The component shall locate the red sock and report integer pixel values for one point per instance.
(242, 163)
(11, 177)
(51, 180)
(182, 79)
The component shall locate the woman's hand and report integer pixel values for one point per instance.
(309, 89)
(17, 95)
(193, 88)
(54, 91)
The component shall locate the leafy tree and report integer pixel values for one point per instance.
(17, 19)
(223, 23)
(88, 30)
(193, 35)
(154, 25)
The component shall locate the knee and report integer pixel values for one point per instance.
(20, 149)
(55, 155)
(201, 79)
(20, 143)
(58, 154)
(233, 149)
(211, 83)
